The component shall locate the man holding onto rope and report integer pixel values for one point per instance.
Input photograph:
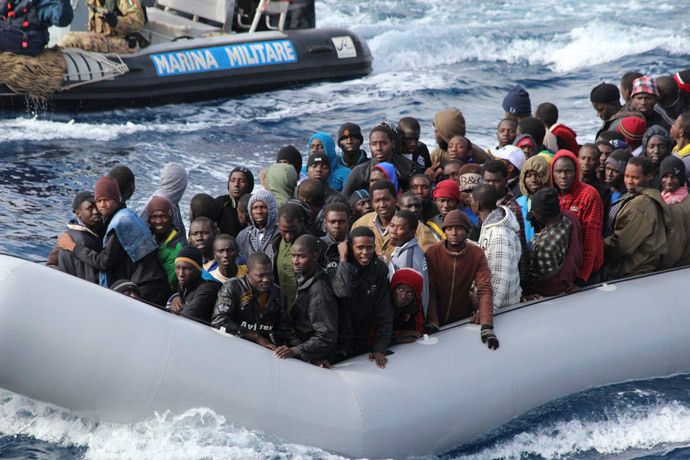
(113, 27)
(24, 23)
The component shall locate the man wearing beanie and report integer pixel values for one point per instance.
(501, 244)
(129, 250)
(454, 265)
(674, 190)
(319, 168)
(126, 287)
(615, 173)
(639, 230)
(85, 228)
(605, 99)
(240, 183)
(290, 155)
(447, 198)
(350, 141)
(556, 251)
(584, 201)
(633, 129)
(197, 289)
(644, 98)
(159, 216)
(516, 104)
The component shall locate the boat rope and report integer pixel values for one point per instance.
(98, 68)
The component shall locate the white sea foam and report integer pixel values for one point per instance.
(198, 433)
(635, 428)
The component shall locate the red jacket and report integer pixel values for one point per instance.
(584, 201)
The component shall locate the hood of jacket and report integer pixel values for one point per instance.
(656, 196)
(576, 182)
(389, 170)
(501, 216)
(328, 147)
(269, 199)
(281, 180)
(568, 135)
(173, 182)
(535, 163)
(660, 131)
(450, 123)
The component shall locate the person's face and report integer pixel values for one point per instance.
(132, 293)
(362, 207)
(564, 173)
(420, 186)
(243, 217)
(403, 295)
(634, 178)
(533, 182)
(445, 205)
(384, 203)
(302, 261)
(319, 171)
(657, 149)
(412, 204)
(106, 206)
(375, 175)
(381, 146)
(528, 150)
(289, 230)
(605, 110)
(457, 149)
(589, 160)
(225, 252)
(202, 236)
(465, 198)
(452, 172)
(399, 231)
(314, 208)
(160, 223)
(260, 277)
(350, 144)
(337, 225)
(644, 102)
(238, 185)
(259, 213)
(363, 249)
(410, 138)
(497, 181)
(455, 235)
(612, 177)
(605, 149)
(88, 214)
(186, 273)
(670, 183)
(316, 146)
(505, 133)
(675, 130)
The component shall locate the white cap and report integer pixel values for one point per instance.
(513, 154)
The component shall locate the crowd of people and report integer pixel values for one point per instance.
(349, 253)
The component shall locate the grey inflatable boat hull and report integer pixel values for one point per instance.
(106, 357)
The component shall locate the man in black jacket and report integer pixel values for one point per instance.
(84, 229)
(240, 183)
(198, 290)
(254, 307)
(315, 313)
(337, 223)
(361, 283)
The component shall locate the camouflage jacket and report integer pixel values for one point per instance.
(130, 19)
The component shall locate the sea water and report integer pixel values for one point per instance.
(430, 55)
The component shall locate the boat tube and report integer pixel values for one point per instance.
(107, 357)
(191, 60)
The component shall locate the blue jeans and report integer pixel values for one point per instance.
(11, 41)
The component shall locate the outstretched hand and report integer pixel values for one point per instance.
(284, 351)
(380, 359)
(488, 337)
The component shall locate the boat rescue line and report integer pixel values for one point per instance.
(224, 57)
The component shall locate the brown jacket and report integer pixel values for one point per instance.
(678, 237)
(425, 237)
(450, 278)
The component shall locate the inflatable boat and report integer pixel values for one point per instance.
(202, 49)
(107, 357)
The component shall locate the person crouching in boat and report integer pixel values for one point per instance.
(253, 307)
(408, 315)
(111, 24)
(129, 249)
(197, 289)
(361, 283)
(24, 23)
(454, 264)
(315, 312)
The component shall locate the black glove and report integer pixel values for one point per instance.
(488, 337)
(430, 329)
(110, 19)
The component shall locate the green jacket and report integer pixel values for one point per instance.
(639, 239)
(167, 252)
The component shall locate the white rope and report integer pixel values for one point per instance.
(112, 69)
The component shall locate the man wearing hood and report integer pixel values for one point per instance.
(173, 183)
(584, 201)
(535, 175)
(501, 244)
(323, 142)
(447, 124)
(129, 250)
(639, 231)
(263, 216)
(84, 229)
(656, 145)
(240, 183)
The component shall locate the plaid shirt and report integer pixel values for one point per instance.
(549, 249)
(512, 204)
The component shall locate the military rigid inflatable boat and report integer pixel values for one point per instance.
(201, 49)
(107, 357)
